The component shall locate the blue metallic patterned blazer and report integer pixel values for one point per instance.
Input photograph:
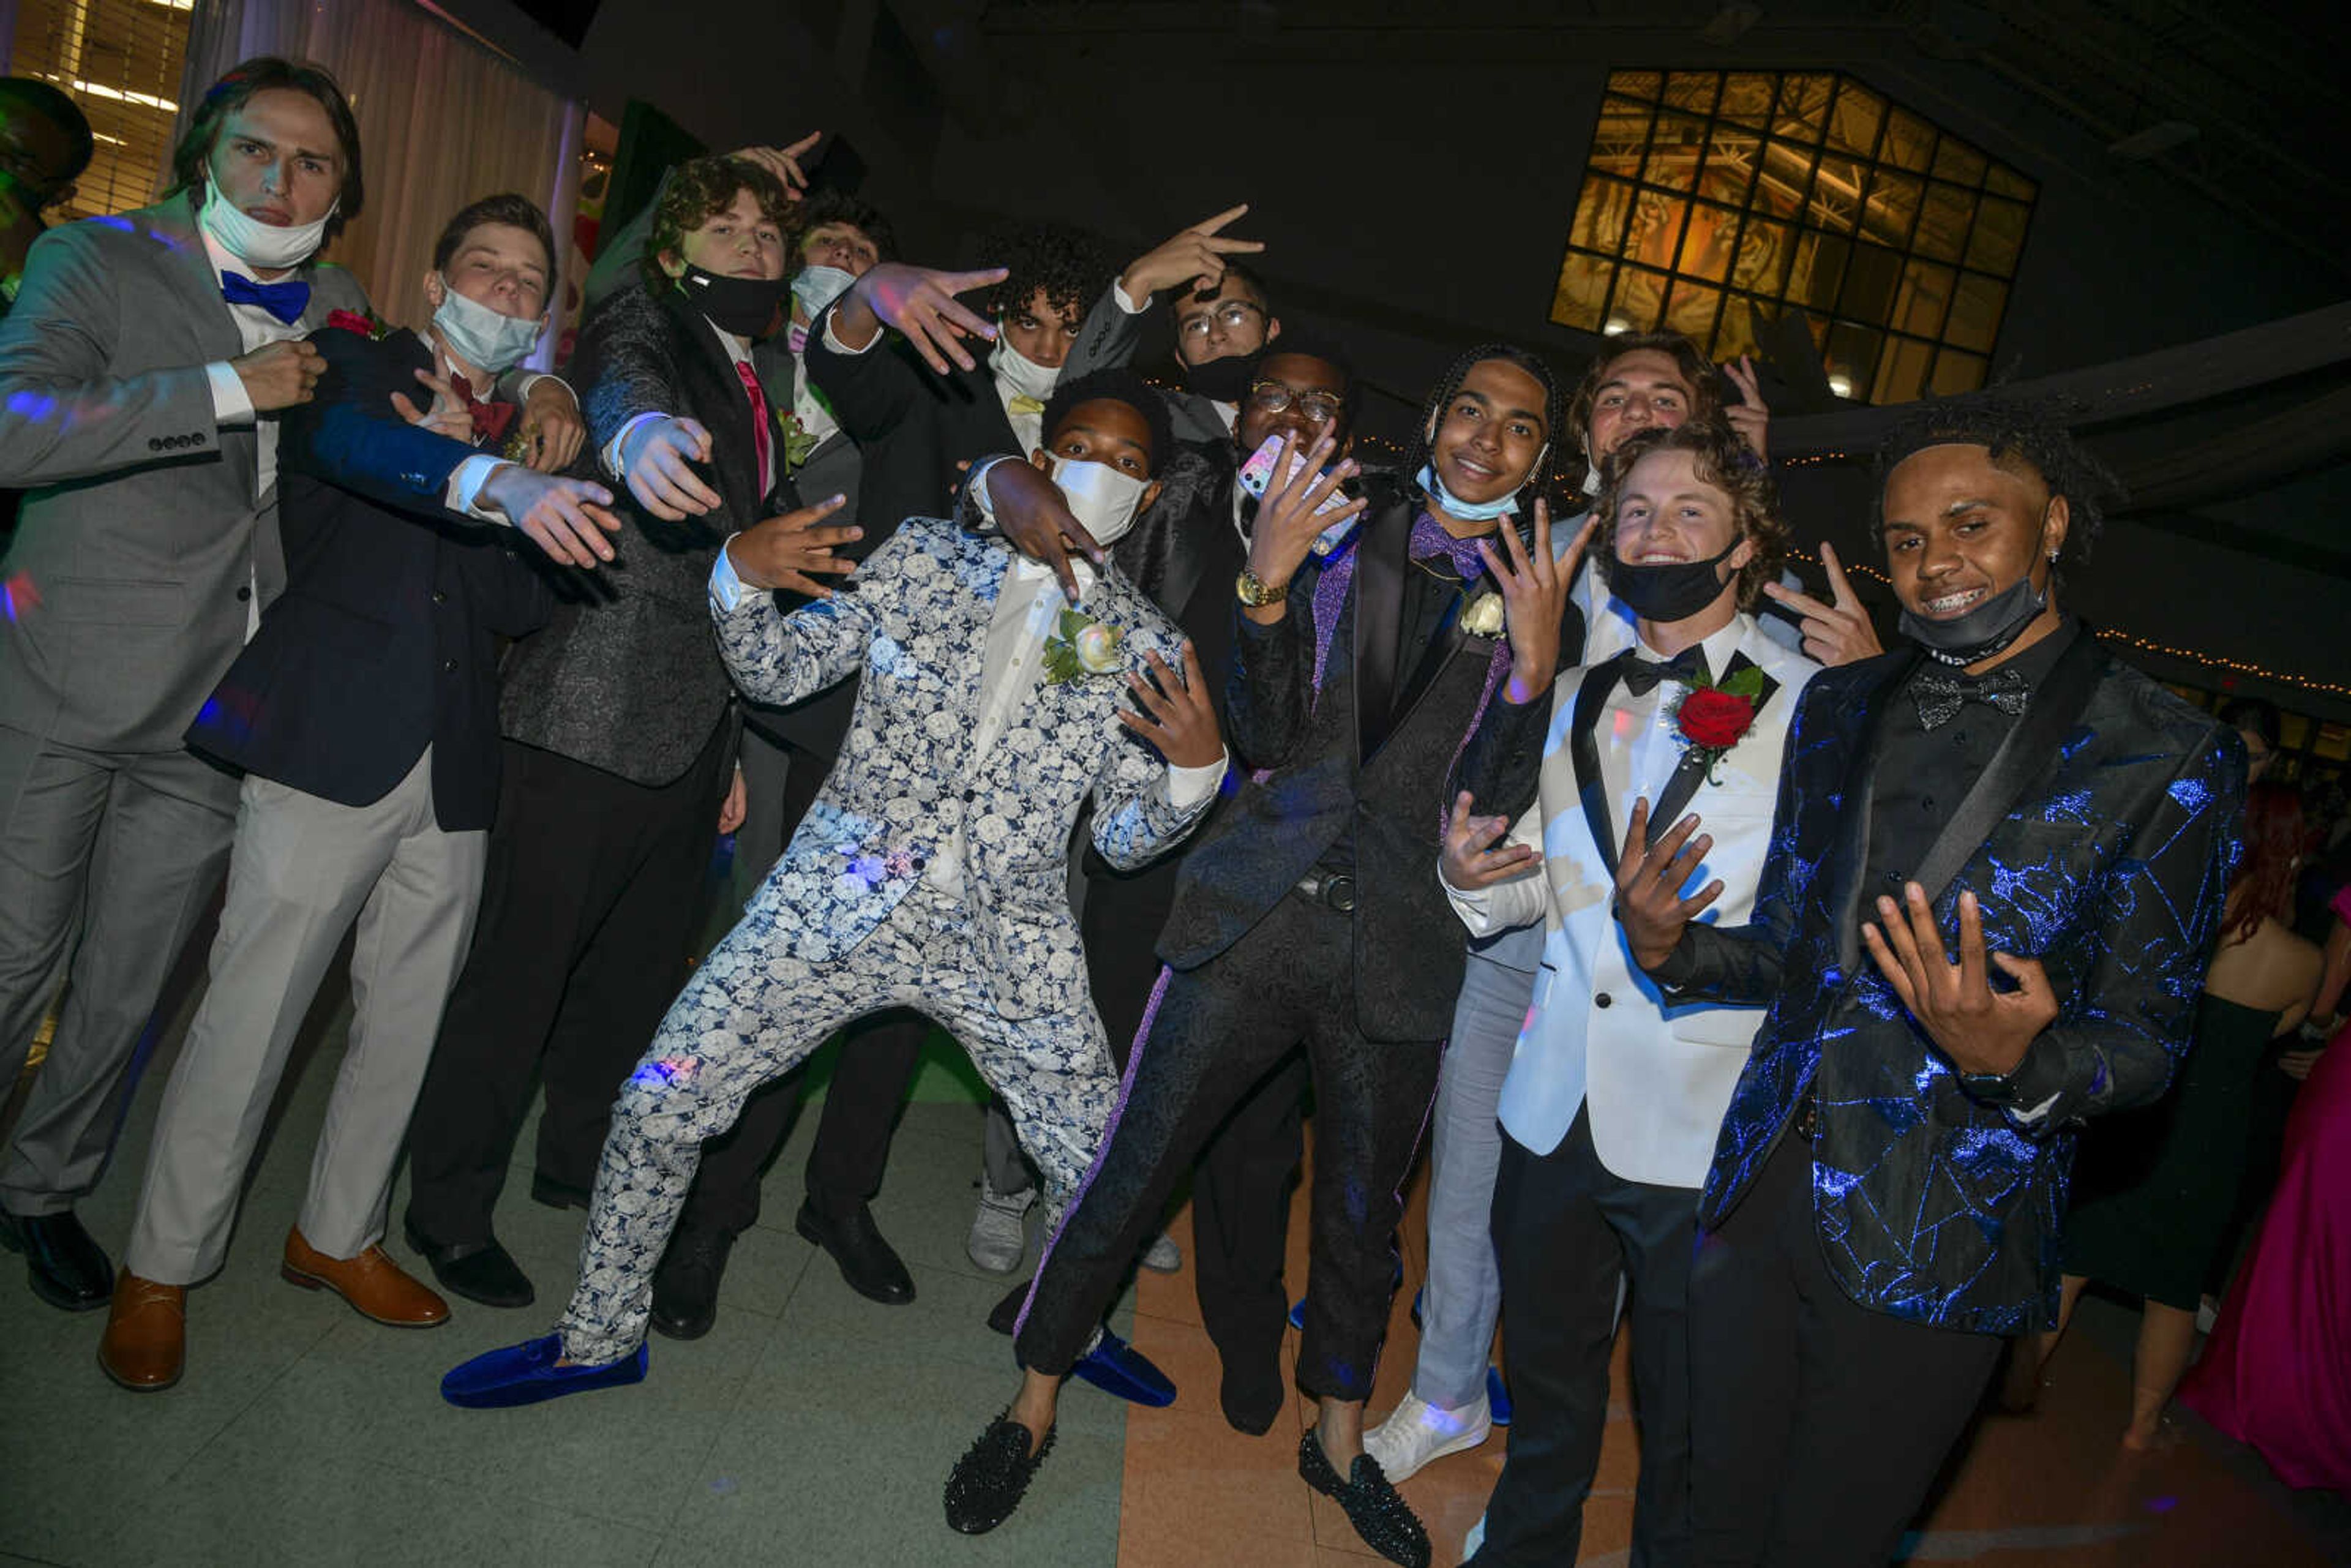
(2113, 816)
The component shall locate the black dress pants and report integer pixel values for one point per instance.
(590, 904)
(1214, 1031)
(1819, 1425)
(1566, 1230)
(878, 1058)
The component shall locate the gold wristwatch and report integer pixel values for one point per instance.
(1257, 592)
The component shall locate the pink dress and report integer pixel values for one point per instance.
(2277, 1371)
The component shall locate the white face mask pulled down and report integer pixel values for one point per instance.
(491, 342)
(266, 248)
(1099, 497)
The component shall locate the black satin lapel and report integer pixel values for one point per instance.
(2024, 759)
(1379, 619)
(1590, 699)
(1852, 854)
(1441, 651)
(1187, 559)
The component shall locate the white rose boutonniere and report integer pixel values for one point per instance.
(1081, 645)
(1483, 617)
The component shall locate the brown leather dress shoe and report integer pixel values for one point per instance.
(374, 1285)
(146, 1340)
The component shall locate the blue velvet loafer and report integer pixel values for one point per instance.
(526, 1373)
(1497, 1397)
(1118, 1368)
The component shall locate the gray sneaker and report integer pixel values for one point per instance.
(999, 1237)
(1164, 1256)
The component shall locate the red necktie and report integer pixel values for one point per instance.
(758, 419)
(490, 419)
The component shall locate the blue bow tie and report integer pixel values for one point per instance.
(286, 300)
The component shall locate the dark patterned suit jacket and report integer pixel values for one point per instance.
(2114, 810)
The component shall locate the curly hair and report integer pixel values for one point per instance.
(1542, 485)
(698, 190)
(1067, 263)
(1115, 384)
(2018, 433)
(824, 204)
(264, 73)
(1725, 462)
(1705, 381)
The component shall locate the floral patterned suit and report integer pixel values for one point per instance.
(847, 923)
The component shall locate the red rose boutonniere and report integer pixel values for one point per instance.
(364, 323)
(1713, 717)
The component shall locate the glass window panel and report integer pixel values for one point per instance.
(1654, 234)
(1851, 360)
(1816, 268)
(1734, 334)
(1674, 149)
(1957, 161)
(1943, 218)
(1976, 308)
(1902, 369)
(1892, 207)
(1854, 123)
(1729, 164)
(1762, 261)
(1956, 372)
(1747, 98)
(1709, 242)
(1635, 84)
(1871, 281)
(1926, 294)
(1640, 302)
(1582, 294)
(1621, 138)
(1786, 173)
(1601, 214)
(1836, 192)
(1693, 91)
(1691, 309)
(2001, 180)
(1803, 107)
(1998, 236)
(1909, 141)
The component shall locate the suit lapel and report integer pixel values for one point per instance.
(1851, 856)
(190, 267)
(1379, 615)
(726, 409)
(1693, 768)
(1590, 699)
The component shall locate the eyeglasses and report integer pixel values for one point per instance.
(1273, 397)
(1232, 316)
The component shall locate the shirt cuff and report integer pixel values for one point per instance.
(1118, 292)
(726, 588)
(1187, 787)
(833, 340)
(610, 457)
(532, 377)
(464, 490)
(979, 496)
(232, 405)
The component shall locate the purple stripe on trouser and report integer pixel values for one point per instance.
(1102, 1151)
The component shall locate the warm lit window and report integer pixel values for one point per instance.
(119, 59)
(1712, 196)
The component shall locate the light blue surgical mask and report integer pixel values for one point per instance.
(490, 343)
(818, 286)
(1452, 505)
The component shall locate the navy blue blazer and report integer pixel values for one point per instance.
(385, 640)
(2101, 844)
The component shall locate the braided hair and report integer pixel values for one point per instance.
(2017, 430)
(1542, 484)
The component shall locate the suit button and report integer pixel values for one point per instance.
(154, 444)
(971, 795)
(918, 862)
(1602, 999)
(450, 666)
(243, 593)
(439, 597)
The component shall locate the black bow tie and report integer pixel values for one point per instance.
(1940, 696)
(1686, 667)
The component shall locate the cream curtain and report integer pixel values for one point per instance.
(442, 121)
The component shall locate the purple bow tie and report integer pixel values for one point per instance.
(1430, 541)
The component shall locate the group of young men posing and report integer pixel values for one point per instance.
(1760, 998)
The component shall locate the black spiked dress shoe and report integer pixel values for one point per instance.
(1381, 1516)
(64, 1266)
(987, 1482)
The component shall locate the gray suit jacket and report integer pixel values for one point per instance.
(141, 539)
(1109, 336)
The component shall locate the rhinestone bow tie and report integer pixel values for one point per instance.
(1940, 696)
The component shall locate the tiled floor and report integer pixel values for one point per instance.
(814, 1426)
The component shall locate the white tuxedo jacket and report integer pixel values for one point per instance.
(1657, 1078)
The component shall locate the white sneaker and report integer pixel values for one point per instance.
(1164, 1256)
(999, 1238)
(1416, 1432)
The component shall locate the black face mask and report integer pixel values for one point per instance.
(1665, 592)
(1221, 380)
(746, 307)
(1981, 632)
